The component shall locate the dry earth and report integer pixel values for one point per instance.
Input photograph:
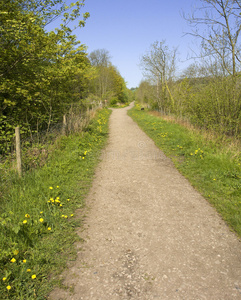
(149, 234)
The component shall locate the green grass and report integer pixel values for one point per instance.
(211, 167)
(37, 220)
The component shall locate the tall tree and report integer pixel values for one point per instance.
(159, 65)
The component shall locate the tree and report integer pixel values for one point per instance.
(218, 24)
(145, 93)
(159, 65)
(100, 58)
(108, 82)
(37, 68)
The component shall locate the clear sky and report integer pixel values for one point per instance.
(127, 28)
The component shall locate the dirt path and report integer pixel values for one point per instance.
(149, 234)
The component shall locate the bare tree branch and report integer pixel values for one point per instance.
(222, 20)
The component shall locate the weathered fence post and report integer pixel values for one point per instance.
(18, 151)
(64, 125)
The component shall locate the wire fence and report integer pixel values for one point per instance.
(34, 148)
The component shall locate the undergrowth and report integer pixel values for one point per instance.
(37, 221)
(212, 166)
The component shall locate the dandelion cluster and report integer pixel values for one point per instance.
(101, 121)
(198, 153)
(16, 262)
(163, 135)
(55, 203)
(83, 155)
(30, 224)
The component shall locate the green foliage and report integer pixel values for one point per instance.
(217, 106)
(209, 103)
(107, 82)
(37, 218)
(113, 101)
(211, 166)
(41, 72)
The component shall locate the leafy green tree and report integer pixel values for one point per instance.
(108, 83)
(38, 69)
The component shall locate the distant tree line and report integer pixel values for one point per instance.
(209, 91)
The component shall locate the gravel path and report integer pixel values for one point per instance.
(149, 234)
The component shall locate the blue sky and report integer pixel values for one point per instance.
(127, 28)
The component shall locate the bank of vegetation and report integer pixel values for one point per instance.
(38, 213)
(208, 92)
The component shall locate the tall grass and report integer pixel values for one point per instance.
(37, 221)
(212, 166)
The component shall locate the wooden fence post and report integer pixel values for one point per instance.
(64, 125)
(18, 151)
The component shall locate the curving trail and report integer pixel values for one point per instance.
(149, 234)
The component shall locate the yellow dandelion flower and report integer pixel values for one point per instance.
(33, 276)
(13, 260)
(50, 187)
(24, 261)
(61, 205)
(27, 216)
(66, 217)
(41, 220)
(62, 216)
(57, 186)
(9, 287)
(49, 228)
(68, 200)
(41, 212)
(4, 278)
(28, 270)
(25, 221)
(72, 215)
(83, 157)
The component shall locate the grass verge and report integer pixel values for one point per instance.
(213, 168)
(37, 224)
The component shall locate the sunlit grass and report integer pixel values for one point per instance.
(37, 226)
